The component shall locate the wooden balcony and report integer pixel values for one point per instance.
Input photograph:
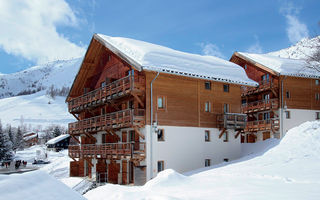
(262, 125)
(117, 89)
(232, 121)
(263, 86)
(129, 150)
(116, 120)
(261, 105)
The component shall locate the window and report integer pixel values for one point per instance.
(266, 96)
(317, 115)
(226, 88)
(317, 96)
(207, 107)
(207, 136)
(103, 84)
(226, 108)
(317, 81)
(160, 166)
(160, 135)
(266, 116)
(265, 78)
(245, 66)
(226, 160)
(161, 102)
(207, 162)
(225, 136)
(207, 85)
(288, 94)
(287, 114)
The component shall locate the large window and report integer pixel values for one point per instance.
(207, 162)
(160, 165)
(226, 87)
(207, 85)
(207, 135)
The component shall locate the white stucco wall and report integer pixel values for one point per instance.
(185, 149)
(297, 117)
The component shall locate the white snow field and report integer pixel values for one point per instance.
(289, 170)
(36, 109)
(36, 185)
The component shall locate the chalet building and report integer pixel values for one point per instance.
(288, 95)
(123, 85)
(30, 138)
(58, 143)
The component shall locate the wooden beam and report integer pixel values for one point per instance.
(90, 136)
(138, 99)
(222, 132)
(89, 162)
(139, 133)
(76, 139)
(75, 116)
(238, 133)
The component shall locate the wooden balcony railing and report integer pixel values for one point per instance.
(114, 90)
(108, 150)
(263, 85)
(120, 119)
(232, 121)
(261, 125)
(261, 105)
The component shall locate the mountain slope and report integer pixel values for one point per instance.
(58, 73)
(301, 50)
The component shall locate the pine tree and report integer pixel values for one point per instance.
(56, 131)
(19, 139)
(5, 146)
(10, 134)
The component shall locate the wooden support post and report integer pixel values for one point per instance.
(222, 132)
(138, 99)
(238, 133)
(89, 162)
(139, 133)
(75, 116)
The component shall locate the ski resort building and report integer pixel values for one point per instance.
(142, 108)
(288, 95)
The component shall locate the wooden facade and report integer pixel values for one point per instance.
(111, 97)
(262, 103)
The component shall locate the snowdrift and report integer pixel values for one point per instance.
(289, 170)
(35, 185)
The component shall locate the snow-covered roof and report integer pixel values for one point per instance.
(283, 66)
(151, 57)
(29, 133)
(26, 138)
(58, 139)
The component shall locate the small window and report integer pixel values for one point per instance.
(161, 102)
(225, 137)
(207, 85)
(317, 81)
(287, 114)
(103, 84)
(226, 88)
(288, 94)
(266, 116)
(245, 66)
(226, 160)
(160, 166)
(207, 107)
(160, 135)
(226, 108)
(317, 115)
(207, 162)
(317, 96)
(207, 136)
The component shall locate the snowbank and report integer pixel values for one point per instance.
(290, 170)
(35, 185)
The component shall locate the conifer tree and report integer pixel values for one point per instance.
(5, 146)
(56, 131)
(19, 139)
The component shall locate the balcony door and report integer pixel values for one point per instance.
(134, 137)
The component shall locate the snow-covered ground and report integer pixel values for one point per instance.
(289, 170)
(36, 109)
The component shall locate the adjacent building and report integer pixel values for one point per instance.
(288, 94)
(142, 108)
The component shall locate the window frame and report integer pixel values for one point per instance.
(317, 96)
(164, 102)
(226, 105)
(207, 106)
(207, 162)
(226, 88)
(288, 95)
(317, 82)
(317, 115)
(287, 114)
(207, 83)
(161, 162)
(161, 139)
(226, 136)
(207, 136)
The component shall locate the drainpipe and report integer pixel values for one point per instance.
(151, 123)
(282, 107)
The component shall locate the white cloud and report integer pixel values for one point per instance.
(256, 47)
(211, 50)
(29, 29)
(296, 30)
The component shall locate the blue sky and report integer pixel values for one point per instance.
(38, 31)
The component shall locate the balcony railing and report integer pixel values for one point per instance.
(232, 121)
(114, 90)
(263, 85)
(260, 105)
(108, 150)
(261, 125)
(120, 119)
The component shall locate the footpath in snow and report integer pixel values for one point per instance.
(289, 170)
